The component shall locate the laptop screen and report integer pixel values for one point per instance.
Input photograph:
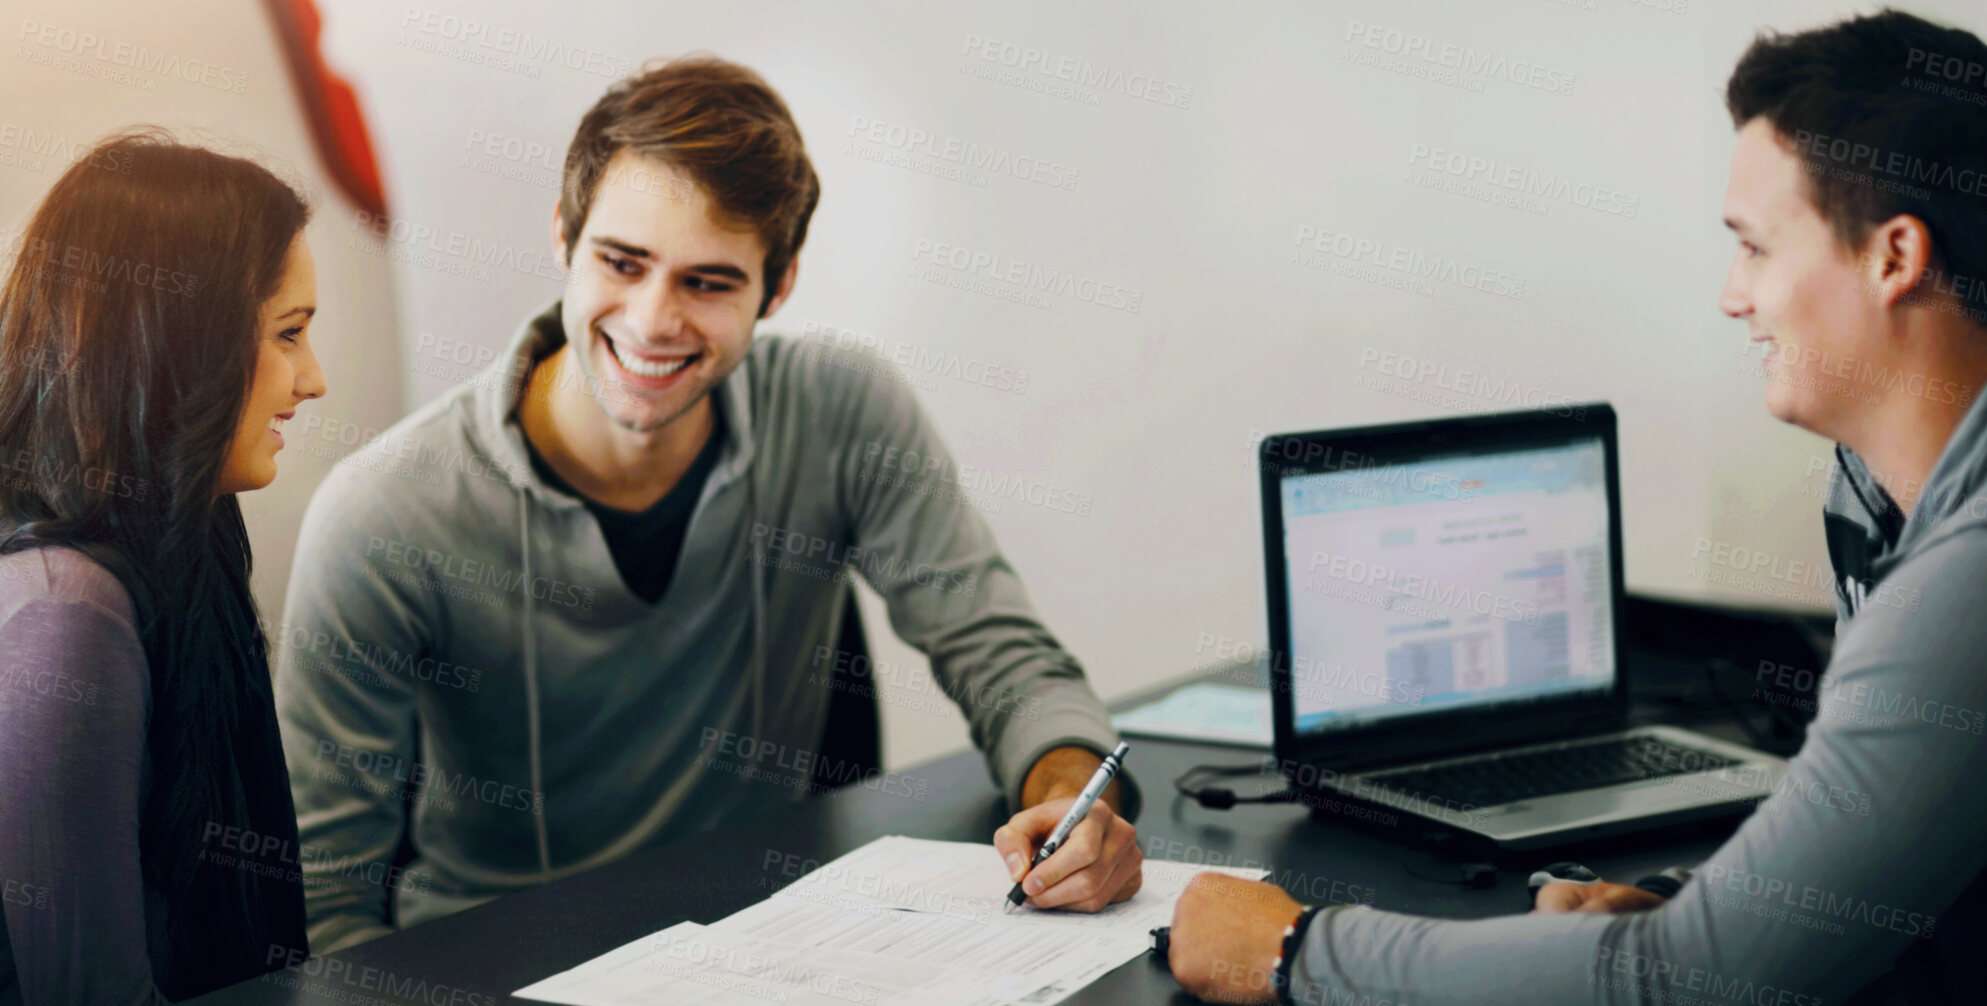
(1450, 581)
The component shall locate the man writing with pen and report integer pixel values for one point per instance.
(640, 533)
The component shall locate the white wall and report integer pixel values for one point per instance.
(1196, 208)
(65, 83)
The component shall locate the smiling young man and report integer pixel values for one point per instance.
(591, 601)
(1859, 200)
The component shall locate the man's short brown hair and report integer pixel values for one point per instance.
(720, 124)
(1879, 129)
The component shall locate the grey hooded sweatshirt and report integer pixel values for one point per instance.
(1859, 880)
(459, 641)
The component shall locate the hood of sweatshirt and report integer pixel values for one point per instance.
(503, 440)
(1869, 535)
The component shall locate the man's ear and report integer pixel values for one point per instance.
(785, 288)
(1898, 259)
(559, 249)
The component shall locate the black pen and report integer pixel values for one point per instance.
(1076, 813)
(1162, 941)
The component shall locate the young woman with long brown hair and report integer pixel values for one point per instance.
(153, 334)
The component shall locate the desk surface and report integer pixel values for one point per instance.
(476, 957)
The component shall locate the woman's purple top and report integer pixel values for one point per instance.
(75, 697)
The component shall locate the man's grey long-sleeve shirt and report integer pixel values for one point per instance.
(458, 638)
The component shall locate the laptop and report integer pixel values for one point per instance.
(1445, 616)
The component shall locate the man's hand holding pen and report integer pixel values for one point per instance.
(1097, 865)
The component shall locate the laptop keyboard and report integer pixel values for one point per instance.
(1488, 782)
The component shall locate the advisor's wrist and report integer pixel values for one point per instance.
(1290, 944)
(1063, 772)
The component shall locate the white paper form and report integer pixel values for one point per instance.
(968, 880)
(692, 965)
(1018, 963)
(898, 921)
